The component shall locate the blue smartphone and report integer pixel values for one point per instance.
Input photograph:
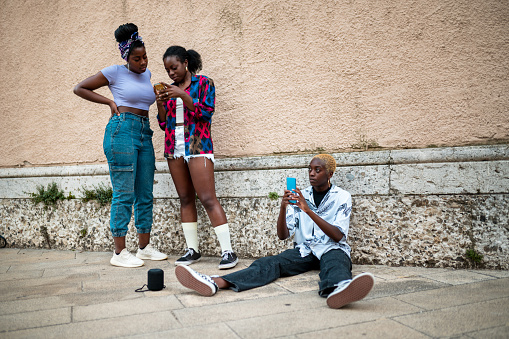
(291, 184)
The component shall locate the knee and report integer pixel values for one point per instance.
(123, 198)
(262, 263)
(209, 202)
(187, 200)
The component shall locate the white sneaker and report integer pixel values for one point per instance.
(201, 283)
(150, 253)
(351, 290)
(125, 259)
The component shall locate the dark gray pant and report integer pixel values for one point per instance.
(334, 266)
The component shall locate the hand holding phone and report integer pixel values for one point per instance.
(291, 185)
(159, 87)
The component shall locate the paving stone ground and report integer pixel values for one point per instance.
(67, 294)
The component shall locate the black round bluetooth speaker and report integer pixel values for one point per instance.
(155, 279)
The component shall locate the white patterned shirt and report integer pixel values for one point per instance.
(335, 208)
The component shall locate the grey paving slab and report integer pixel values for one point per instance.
(383, 328)
(103, 283)
(38, 256)
(246, 309)
(62, 279)
(493, 273)
(58, 255)
(391, 273)
(192, 299)
(320, 318)
(79, 269)
(33, 304)
(29, 252)
(499, 332)
(18, 275)
(105, 328)
(93, 257)
(459, 320)
(36, 289)
(458, 294)
(403, 285)
(35, 319)
(458, 277)
(99, 297)
(302, 283)
(219, 330)
(41, 264)
(125, 308)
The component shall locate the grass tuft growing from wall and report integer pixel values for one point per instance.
(100, 193)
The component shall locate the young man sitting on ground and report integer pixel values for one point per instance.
(319, 221)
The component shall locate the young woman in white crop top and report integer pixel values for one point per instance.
(128, 144)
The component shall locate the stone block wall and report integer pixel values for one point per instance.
(423, 207)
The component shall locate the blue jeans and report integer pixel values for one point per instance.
(128, 147)
(334, 265)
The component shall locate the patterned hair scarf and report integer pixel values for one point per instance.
(125, 46)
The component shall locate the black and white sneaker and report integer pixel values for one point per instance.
(190, 257)
(228, 260)
(349, 291)
(201, 283)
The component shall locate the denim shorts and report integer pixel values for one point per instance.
(180, 147)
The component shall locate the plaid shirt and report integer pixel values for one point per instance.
(197, 134)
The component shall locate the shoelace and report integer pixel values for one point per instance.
(148, 248)
(226, 254)
(206, 277)
(189, 252)
(342, 284)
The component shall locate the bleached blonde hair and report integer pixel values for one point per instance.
(330, 163)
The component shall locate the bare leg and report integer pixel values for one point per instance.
(185, 190)
(202, 173)
(143, 239)
(221, 283)
(119, 244)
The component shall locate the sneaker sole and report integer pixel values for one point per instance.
(357, 290)
(185, 263)
(187, 279)
(114, 263)
(230, 265)
(150, 258)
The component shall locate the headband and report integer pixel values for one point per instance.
(125, 46)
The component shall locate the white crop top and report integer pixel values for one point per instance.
(128, 88)
(180, 111)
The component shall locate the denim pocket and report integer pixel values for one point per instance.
(116, 125)
(122, 178)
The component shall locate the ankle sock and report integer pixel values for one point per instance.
(191, 234)
(223, 235)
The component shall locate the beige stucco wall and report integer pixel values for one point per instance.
(291, 76)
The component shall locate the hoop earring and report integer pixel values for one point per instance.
(128, 70)
(186, 69)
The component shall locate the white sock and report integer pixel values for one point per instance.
(223, 235)
(191, 234)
